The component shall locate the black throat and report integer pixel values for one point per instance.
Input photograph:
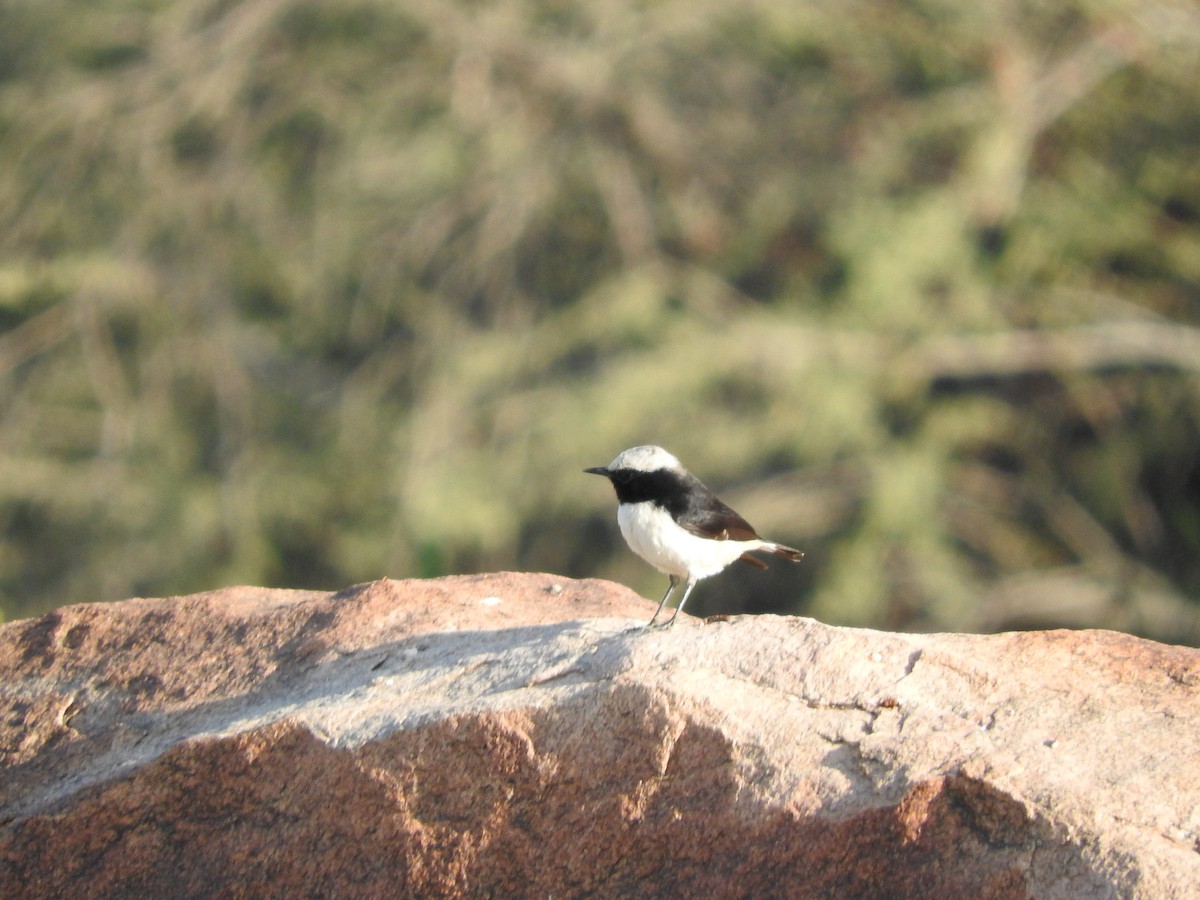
(690, 503)
(662, 487)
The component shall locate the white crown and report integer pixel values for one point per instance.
(646, 458)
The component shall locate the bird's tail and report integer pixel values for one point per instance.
(775, 549)
(786, 552)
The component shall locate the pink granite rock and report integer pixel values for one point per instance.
(521, 735)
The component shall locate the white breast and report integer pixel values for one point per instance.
(654, 536)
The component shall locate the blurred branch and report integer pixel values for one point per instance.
(109, 384)
(791, 350)
(1074, 77)
(1107, 345)
(1168, 22)
(1079, 530)
(35, 335)
(628, 212)
(1076, 597)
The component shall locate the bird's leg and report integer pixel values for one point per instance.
(663, 601)
(687, 590)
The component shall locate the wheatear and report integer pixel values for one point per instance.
(671, 520)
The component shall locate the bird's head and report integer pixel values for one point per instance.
(647, 458)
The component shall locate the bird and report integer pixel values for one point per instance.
(670, 519)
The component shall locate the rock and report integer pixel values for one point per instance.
(519, 735)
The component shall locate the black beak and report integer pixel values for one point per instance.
(598, 470)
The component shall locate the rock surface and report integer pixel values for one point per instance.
(517, 735)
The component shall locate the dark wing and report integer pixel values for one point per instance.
(701, 513)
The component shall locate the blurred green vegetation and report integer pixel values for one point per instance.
(309, 293)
